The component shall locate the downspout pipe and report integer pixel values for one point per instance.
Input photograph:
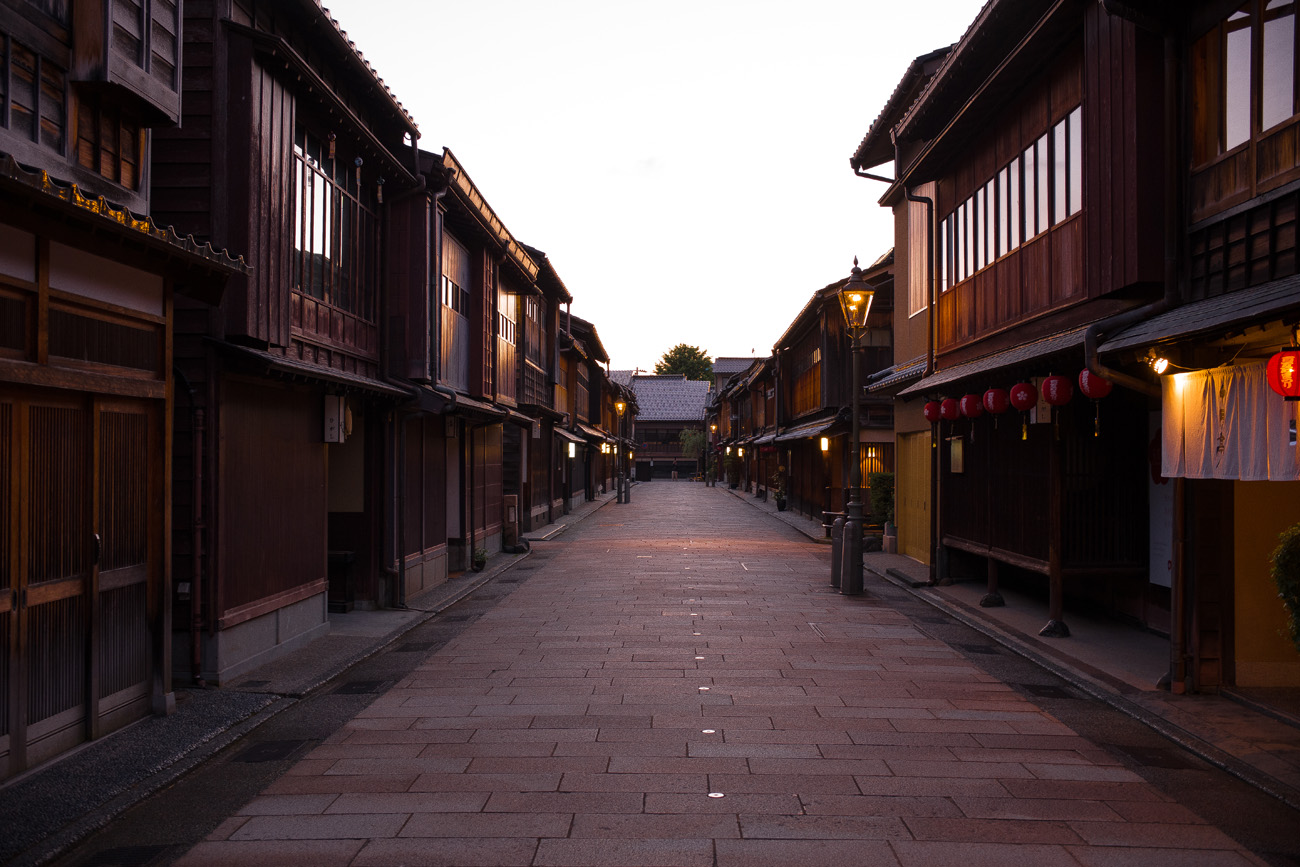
(197, 429)
(1171, 223)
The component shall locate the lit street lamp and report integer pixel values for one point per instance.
(621, 467)
(855, 301)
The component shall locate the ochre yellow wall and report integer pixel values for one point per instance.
(1265, 655)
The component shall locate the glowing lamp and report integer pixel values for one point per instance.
(855, 298)
(1284, 373)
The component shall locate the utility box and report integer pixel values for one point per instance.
(510, 530)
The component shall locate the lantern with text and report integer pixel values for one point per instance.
(949, 410)
(1057, 391)
(972, 407)
(1284, 373)
(1095, 387)
(1023, 396)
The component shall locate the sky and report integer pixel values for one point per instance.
(684, 164)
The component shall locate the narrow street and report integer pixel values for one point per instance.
(672, 682)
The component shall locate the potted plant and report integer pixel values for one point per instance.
(1286, 574)
(480, 559)
(732, 466)
(777, 484)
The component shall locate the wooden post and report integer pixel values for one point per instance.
(1055, 627)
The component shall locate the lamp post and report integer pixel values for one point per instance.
(855, 302)
(621, 467)
(710, 471)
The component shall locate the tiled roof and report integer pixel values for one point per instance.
(728, 366)
(670, 398)
(622, 377)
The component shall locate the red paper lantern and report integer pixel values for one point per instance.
(1024, 396)
(949, 409)
(1057, 390)
(996, 401)
(932, 411)
(971, 407)
(1284, 373)
(1094, 386)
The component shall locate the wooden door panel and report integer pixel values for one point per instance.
(126, 526)
(53, 619)
(79, 492)
(8, 569)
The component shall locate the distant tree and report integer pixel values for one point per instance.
(692, 440)
(690, 360)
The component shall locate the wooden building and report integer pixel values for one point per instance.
(812, 401)
(587, 397)
(289, 145)
(88, 289)
(667, 404)
(1080, 185)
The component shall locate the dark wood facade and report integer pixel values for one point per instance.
(783, 409)
(87, 295)
(1170, 226)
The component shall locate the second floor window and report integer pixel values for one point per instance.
(109, 142)
(335, 233)
(1038, 189)
(33, 95)
(1244, 77)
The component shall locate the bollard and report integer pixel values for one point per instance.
(837, 550)
(851, 583)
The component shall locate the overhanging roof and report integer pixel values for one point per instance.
(1211, 315)
(899, 374)
(593, 434)
(805, 430)
(1017, 355)
(279, 365)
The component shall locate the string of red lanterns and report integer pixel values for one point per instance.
(1056, 391)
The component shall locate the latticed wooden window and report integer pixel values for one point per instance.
(109, 142)
(335, 231)
(33, 95)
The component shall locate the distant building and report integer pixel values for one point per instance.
(667, 405)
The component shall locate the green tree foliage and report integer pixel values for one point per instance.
(690, 360)
(1286, 572)
(882, 496)
(692, 440)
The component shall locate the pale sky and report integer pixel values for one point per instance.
(683, 163)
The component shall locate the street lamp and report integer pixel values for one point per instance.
(621, 468)
(855, 302)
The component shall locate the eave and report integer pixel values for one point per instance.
(292, 62)
(65, 202)
(472, 199)
(981, 75)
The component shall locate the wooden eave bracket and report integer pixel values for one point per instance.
(275, 47)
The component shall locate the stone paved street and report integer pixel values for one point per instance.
(673, 683)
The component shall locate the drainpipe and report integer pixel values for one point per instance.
(197, 429)
(1180, 614)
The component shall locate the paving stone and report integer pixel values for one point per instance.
(564, 724)
(625, 853)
